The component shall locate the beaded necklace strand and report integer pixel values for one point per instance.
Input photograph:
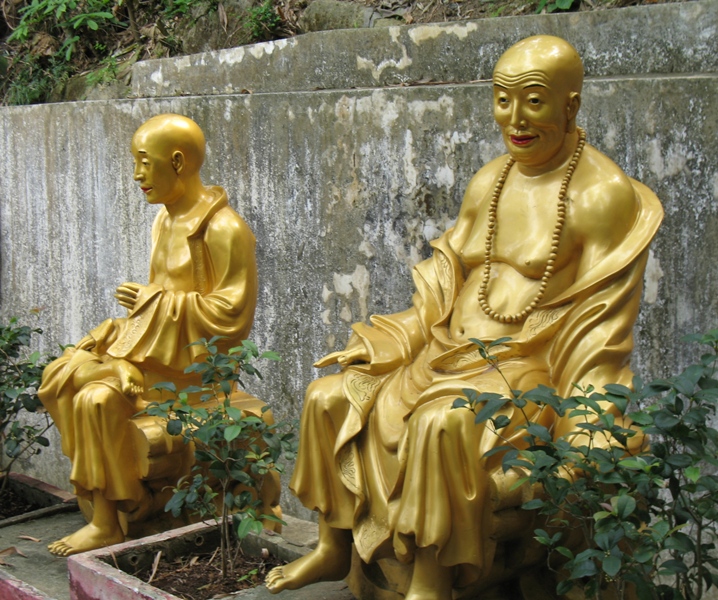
(550, 264)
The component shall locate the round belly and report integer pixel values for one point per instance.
(510, 292)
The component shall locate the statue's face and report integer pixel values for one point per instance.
(531, 109)
(154, 169)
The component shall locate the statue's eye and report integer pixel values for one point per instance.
(534, 101)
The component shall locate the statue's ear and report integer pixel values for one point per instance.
(178, 161)
(572, 106)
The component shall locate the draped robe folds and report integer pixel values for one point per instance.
(210, 287)
(382, 451)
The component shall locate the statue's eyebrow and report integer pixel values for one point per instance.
(528, 85)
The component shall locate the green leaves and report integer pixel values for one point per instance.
(20, 376)
(233, 449)
(642, 511)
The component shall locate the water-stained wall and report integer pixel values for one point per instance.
(344, 186)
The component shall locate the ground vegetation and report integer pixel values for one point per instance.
(54, 50)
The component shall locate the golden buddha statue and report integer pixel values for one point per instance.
(549, 249)
(202, 283)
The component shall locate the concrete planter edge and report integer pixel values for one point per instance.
(52, 499)
(94, 576)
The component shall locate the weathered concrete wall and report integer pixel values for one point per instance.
(345, 187)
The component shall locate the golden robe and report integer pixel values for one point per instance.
(382, 452)
(209, 288)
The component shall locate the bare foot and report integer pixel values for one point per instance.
(322, 564)
(90, 537)
(131, 378)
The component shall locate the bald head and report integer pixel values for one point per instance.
(547, 57)
(171, 133)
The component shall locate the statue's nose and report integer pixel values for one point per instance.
(517, 118)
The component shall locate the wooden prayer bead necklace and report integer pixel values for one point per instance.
(550, 264)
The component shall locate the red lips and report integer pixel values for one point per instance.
(522, 140)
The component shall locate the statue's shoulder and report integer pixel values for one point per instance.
(487, 175)
(483, 181)
(225, 221)
(600, 180)
(602, 195)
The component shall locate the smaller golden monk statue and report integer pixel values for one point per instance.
(549, 249)
(202, 283)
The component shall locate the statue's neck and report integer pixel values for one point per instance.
(194, 194)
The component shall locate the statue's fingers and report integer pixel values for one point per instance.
(125, 296)
(327, 360)
(130, 304)
(126, 293)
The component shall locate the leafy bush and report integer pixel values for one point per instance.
(646, 517)
(54, 40)
(20, 375)
(556, 5)
(233, 448)
(263, 21)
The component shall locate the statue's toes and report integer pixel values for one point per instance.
(59, 548)
(273, 576)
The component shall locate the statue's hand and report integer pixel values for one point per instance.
(127, 294)
(346, 357)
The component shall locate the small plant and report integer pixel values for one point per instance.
(20, 375)
(560, 5)
(233, 450)
(174, 8)
(63, 16)
(645, 518)
(263, 21)
(105, 74)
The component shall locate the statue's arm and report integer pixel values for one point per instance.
(604, 214)
(389, 342)
(595, 341)
(99, 338)
(228, 307)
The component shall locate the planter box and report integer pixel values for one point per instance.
(12, 587)
(52, 500)
(94, 575)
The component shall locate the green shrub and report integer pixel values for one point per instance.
(234, 448)
(20, 376)
(263, 21)
(646, 517)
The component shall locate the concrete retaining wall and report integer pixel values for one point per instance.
(345, 185)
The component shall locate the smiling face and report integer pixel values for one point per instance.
(537, 86)
(156, 168)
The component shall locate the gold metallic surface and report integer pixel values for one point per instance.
(383, 457)
(202, 283)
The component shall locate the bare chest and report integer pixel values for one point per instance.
(527, 224)
(172, 259)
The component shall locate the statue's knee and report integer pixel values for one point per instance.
(324, 395)
(97, 399)
(439, 417)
